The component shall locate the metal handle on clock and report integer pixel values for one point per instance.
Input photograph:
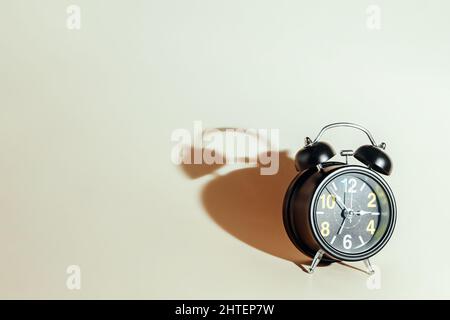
(349, 125)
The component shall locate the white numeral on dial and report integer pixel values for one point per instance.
(371, 227)
(325, 229)
(347, 241)
(328, 201)
(372, 200)
(349, 185)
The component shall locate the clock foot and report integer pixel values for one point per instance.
(315, 261)
(369, 266)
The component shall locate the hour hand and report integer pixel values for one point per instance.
(339, 201)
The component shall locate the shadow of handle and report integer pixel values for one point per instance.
(248, 205)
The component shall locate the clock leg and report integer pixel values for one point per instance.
(369, 266)
(315, 261)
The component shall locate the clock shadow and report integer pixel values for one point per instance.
(248, 205)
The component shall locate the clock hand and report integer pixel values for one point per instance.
(342, 225)
(342, 205)
(351, 206)
(339, 201)
(345, 196)
(351, 200)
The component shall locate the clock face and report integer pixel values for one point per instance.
(353, 212)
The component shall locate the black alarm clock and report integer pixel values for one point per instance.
(335, 211)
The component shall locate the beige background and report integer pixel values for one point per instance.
(85, 124)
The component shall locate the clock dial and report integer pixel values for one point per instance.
(352, 213)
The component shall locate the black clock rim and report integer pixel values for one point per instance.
(328, 249)
(293, 236)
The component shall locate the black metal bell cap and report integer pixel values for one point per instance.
(375, 158)
(312, 155)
